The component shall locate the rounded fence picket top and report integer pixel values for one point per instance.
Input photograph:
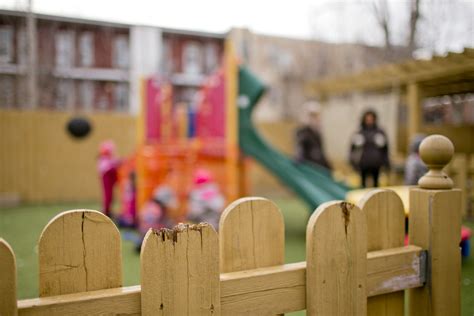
(79, 251)
(251, 235)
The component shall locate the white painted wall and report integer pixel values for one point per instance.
(341, 117)
(145, 52)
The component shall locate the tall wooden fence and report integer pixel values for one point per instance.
(356, 262)
(35, 149)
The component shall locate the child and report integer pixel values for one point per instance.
(107, 166)
(414, 166)
(205, 200)
(154, 213)
(129, 213)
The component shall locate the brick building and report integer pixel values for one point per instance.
(97, 66)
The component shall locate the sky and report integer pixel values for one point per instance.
(328, 20)
(287, 18)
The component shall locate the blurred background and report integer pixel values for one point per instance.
(412, 61)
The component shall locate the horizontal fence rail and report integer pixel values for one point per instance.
(281, 287)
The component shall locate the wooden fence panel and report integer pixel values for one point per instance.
(385, 229)
(336, 254)
(180, 271)
(35, 149)
(7, 280)
(79, 251)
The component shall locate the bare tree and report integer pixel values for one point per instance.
(382, 15)
(417, 25)
(414, 17)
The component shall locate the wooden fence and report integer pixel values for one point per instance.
(35, 149)
(356, 261)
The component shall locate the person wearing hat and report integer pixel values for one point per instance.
(309, 143)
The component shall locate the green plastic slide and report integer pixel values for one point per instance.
(313, 184)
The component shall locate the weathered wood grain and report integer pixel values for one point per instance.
(79, 251)
(385, 229)
(336, 255)
(180, 271)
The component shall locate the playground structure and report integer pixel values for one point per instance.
(356, 263)
(217, 134)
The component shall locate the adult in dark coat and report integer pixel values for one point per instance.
(309, 143)
(369, 149)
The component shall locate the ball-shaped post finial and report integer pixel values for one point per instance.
(436, 151)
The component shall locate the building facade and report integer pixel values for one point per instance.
(80, 65)
(286, 65)
(84, 65)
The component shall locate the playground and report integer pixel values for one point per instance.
(218, 135)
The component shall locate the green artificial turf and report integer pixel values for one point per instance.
(21, 227)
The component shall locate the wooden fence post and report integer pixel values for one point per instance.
(385, 229)
(180, 271)
(336, 255)
(251, 236)
(435, 225)
(79, 251)
(8, 305)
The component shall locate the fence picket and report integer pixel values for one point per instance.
(336, 254)
(385, 229)
(79, 251)
(180, 271)
(8, 281)
(251, 235)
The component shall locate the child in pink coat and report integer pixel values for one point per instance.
(206, 202)
(107, 166)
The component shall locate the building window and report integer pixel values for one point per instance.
(6, 92)
(64, 94)
(22, 49)
(86, 49)
(121, 97)
(86, 95)
(121, 52)
(211, 58)
(192, 58)
(6, 44)
(104, 95)
(65, 49)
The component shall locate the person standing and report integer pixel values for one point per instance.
(369, 149)
(415, 168)
(107, 165)
(309, 143)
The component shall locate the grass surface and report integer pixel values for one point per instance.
(22, 226)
